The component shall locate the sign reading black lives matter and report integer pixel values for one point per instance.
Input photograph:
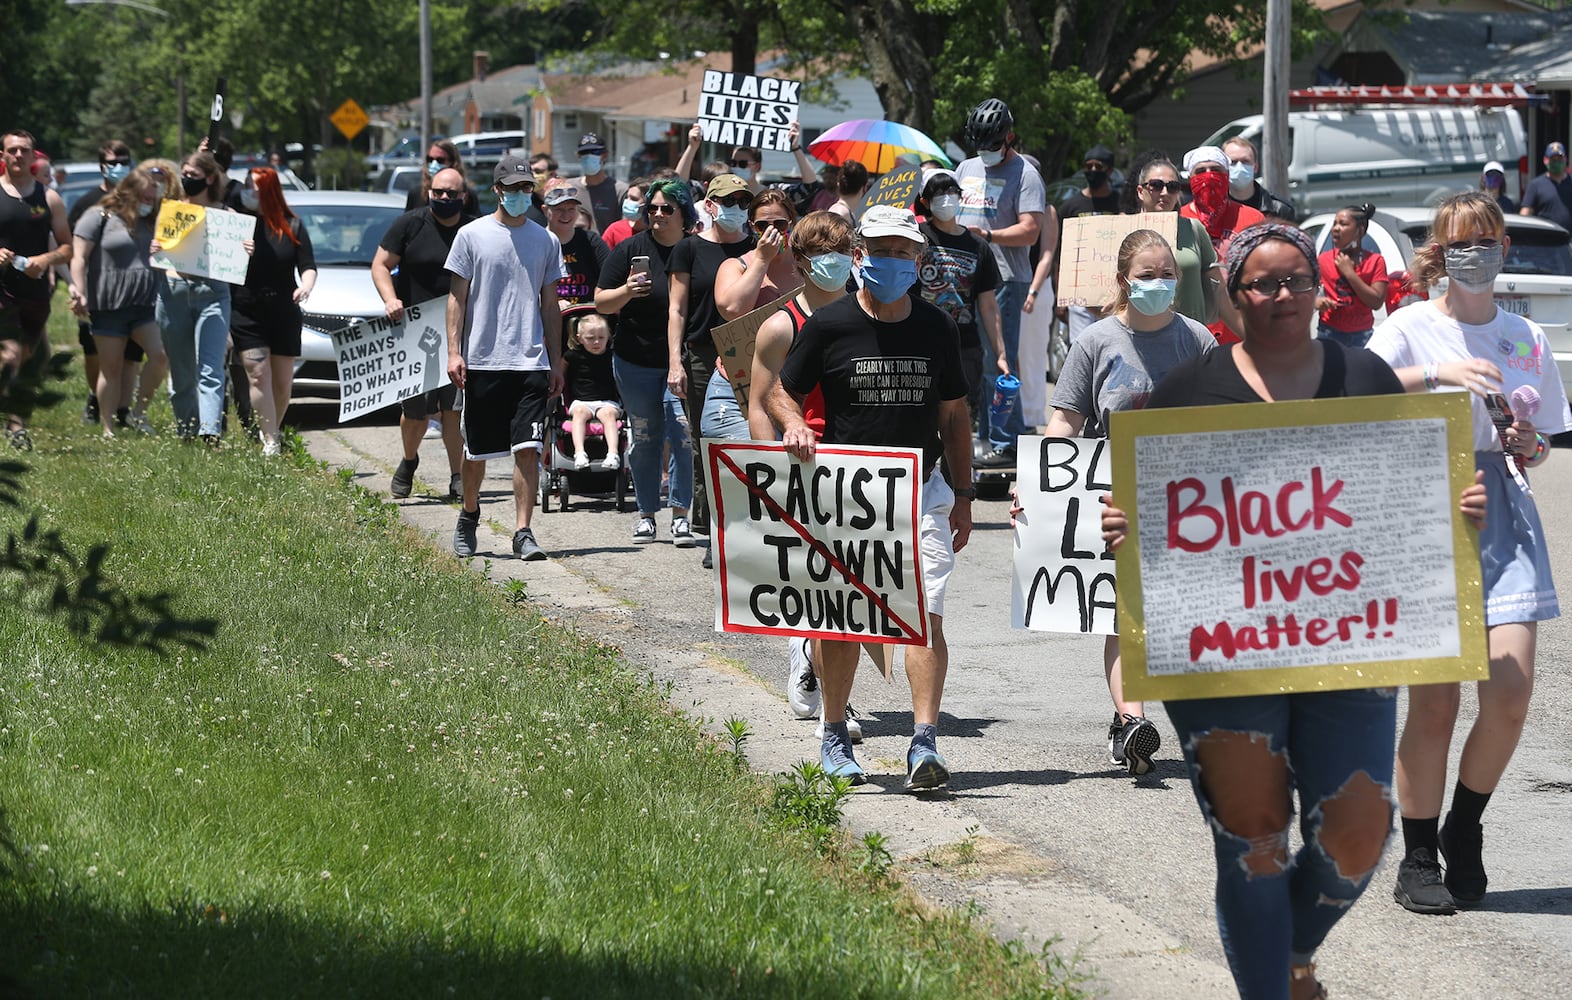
(381, 362)
(739, 109)
(827, 548)
(1063, 579)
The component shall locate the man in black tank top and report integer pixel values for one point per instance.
(29, 215)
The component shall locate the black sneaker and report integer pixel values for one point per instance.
(404, 477)
(90, 411)
(122, 415)
(1139, 739)
(1420, 888)
(709, 560)
(456, 486)
(1464, 848)
(995, 458)
(464, 533)
(525, 546)
(1115, 742)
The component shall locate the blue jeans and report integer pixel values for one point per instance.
(194, 314)
(1011, 295)
(1269, 920)
(722, 417)
(1359, 338)
(655, 414)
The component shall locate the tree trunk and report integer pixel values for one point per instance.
(745, 39)
(902, 71)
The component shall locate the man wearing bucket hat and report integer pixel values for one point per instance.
(1550, 194)
(845, 348)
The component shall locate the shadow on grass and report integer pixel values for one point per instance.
(66, 947)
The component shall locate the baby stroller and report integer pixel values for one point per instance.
(559, 477)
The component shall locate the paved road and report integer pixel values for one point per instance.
(1065, 847)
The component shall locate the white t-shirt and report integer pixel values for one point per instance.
(1421, 333)
(507, 266)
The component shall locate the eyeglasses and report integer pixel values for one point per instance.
(739, 200)
(1268, 288)
(779, 225)
(742, 164)
(663, 209)
(1473, 245)
(1158, 187)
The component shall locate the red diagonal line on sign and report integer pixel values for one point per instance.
(814, 543)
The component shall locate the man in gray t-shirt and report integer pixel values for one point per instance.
(1002, 201)
(505, 348)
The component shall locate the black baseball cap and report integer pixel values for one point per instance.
(589, 142)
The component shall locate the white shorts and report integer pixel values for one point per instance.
(594, 406)
(935, 543)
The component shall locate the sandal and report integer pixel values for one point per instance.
(1303, 985)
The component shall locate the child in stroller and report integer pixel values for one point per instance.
(588, 440)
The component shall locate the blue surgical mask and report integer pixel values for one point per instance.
(515, 203)
(888, 278)
(1154, 297)
(830, 270)
(433, 167)
(991, 157)
(144, 209)
(591, 163)
(731, 218)
(114, 173)
(631, 209)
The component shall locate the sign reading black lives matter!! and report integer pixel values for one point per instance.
(739, 109)
(826, 548)
(1063, 579)
(381, 362)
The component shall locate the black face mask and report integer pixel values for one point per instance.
(193, 185)
(446, 208)
(1096, 178)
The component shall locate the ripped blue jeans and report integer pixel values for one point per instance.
(1336, 749)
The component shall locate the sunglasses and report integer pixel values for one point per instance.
(126, 162)
(779, 225)
(1473, 245)
(739, 200)
(1268, 288)
(1158, 187)
(437, 159)
(447, 194)
(662, 209)
(742, 164)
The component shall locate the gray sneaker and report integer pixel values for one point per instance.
(525, 546)
(464, 533)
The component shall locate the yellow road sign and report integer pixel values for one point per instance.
(350, 118)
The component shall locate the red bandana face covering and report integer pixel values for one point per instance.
(1211, 199)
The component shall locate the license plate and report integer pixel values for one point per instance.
(1515, 304)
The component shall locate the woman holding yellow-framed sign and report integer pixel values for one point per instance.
(1248, 755)
(1452, 341)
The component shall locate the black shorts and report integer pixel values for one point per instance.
(84, 336)
(429, 404)
(504, 412)
(269, 322)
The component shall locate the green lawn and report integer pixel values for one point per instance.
(379, 776)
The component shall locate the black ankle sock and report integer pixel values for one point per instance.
(1467, 805)
(1421, 834)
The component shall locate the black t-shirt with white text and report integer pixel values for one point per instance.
(882, 382)
(421, 244)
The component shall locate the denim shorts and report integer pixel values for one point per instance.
(120, 322)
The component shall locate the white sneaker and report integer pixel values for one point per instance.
(802, 687)
(581, 461)
(272, 447)
(853, 727)
(433, 429)
(611, 463)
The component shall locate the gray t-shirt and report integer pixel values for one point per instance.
(119, 274)
(507, 266)
(605, 199)
(1112, 367)
(996, 198)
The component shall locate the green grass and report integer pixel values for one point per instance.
(382, 776)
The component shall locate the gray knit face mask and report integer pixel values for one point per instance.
(1474, 268)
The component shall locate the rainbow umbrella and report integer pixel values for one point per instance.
(875, 144)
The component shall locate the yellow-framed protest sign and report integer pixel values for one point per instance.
(1297, 546)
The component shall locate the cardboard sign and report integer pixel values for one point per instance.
(827, 549)
(212, 248)
(381, 362)
(1089, 251)
(176, 219)
(899, 187)
(1297, 546)
(1063, 577)
(739, 109)
(734, 344)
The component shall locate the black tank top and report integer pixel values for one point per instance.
(25, 226)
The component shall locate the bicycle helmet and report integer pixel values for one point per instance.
(989, 125)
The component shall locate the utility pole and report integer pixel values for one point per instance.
(1274, 99)
(425, 78)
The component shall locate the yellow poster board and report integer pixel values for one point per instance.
(1089, 251)
(1297, 546)
(177, 219)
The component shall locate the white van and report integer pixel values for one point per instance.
(1389, 155)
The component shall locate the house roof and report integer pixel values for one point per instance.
(1545, 60)
(1450, 46)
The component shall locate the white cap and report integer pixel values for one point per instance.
(1496, 166)
(1205, 154)
(890, 220)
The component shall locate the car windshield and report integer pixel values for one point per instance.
(1538, 251)
(346, 234)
